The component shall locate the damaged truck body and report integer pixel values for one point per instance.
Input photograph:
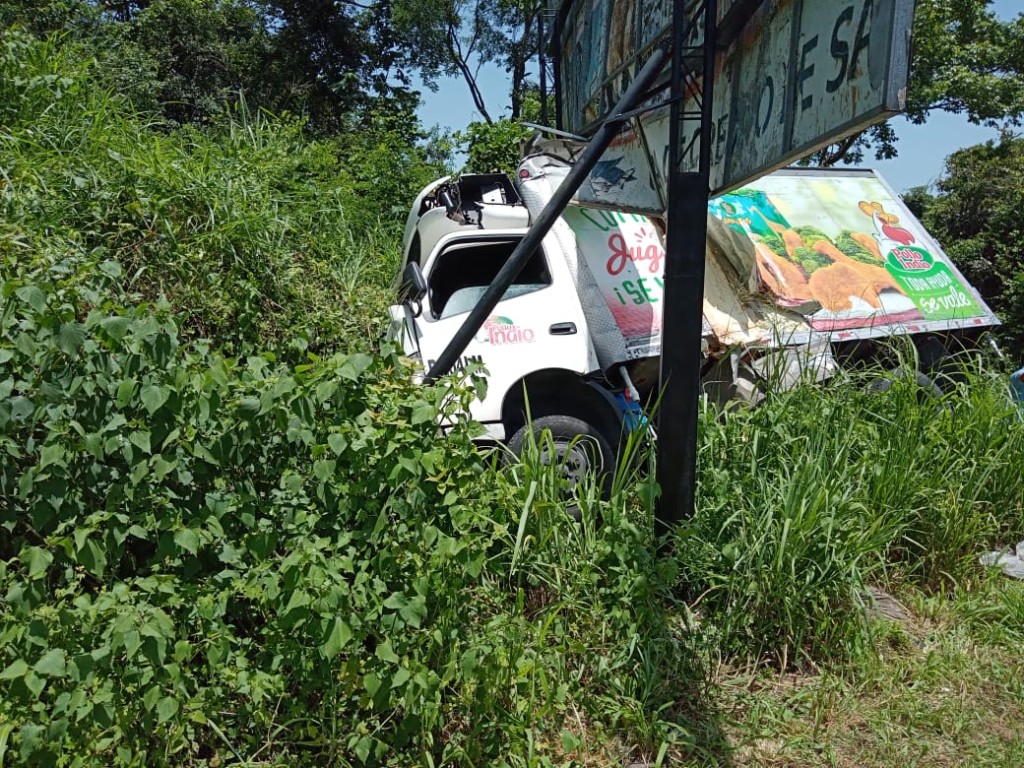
(804, 269)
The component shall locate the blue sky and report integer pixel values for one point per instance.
(922, 148)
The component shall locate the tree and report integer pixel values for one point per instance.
(459, 37)
(976, 214)
(331, 61)
(965, 61)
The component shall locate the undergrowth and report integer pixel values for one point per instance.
(231, 533)
(254, 233)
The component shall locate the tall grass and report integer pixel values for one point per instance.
(821, 491)
(256, 234)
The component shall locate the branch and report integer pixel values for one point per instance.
(455, 51)
(833, 153)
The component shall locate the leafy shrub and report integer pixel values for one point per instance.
(202, 553)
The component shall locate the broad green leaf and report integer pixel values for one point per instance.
(153, 397)
(141, 439)
(362, 747)
(32, 296)
(34, 683)
(25, 344)
(371, 683)
(325, 390)
(110, 269)
(423, 411)
(401, 677)
(166, 708)
(187, 539)
(323, 470)
(51, 454)
(150, 698)
(337, 443)
(161, 467)
(284, 385)
(36, 559)
(338, 639)
(15, 670)
(70, 338)
(414, 611)
(52, 664)
(298, 599)
(132, 642)
(116, 327)
(386, 653)
(125, 390)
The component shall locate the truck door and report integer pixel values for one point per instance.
(538, 324)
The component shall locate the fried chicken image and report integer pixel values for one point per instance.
(879, 277)
(784, 279)
(834, 285)
(868, 242)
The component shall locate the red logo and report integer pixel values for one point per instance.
(643, 250)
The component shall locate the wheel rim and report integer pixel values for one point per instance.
(575, 458)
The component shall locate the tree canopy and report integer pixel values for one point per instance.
(975, 212)
(332, 63)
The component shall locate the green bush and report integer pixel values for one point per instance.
(203, 553)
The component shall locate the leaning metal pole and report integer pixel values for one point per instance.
(684, 269)
(559, 200)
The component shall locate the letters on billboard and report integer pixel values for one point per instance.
(800, 74)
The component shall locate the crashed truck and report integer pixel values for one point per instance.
(805, 269)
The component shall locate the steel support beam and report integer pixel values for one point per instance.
(684, 272)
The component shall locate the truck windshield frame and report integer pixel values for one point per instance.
(464, 270)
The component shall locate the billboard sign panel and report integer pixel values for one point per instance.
(845, 253)
(799, 75)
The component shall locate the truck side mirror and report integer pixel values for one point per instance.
(414, 285)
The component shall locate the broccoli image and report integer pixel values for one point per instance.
(774, 242)
(810, 260)
(853, 249)
(811, 235)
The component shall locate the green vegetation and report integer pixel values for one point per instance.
(249, 229)
(975, 212)
(230, 533)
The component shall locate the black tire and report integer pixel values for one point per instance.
(580, 447)
(927, 387)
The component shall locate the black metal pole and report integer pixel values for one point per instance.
(684, 289)
(538, 229)
(542, 66)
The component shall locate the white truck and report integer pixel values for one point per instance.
(804, 267)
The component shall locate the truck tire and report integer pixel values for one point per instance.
(580, 447)
(926, 386)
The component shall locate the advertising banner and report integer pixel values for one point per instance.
(844, 253)
(627, 259)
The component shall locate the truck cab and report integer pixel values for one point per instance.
(536, 347)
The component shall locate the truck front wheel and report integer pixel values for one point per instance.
(579, 448)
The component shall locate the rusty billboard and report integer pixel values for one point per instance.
(798, 75)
